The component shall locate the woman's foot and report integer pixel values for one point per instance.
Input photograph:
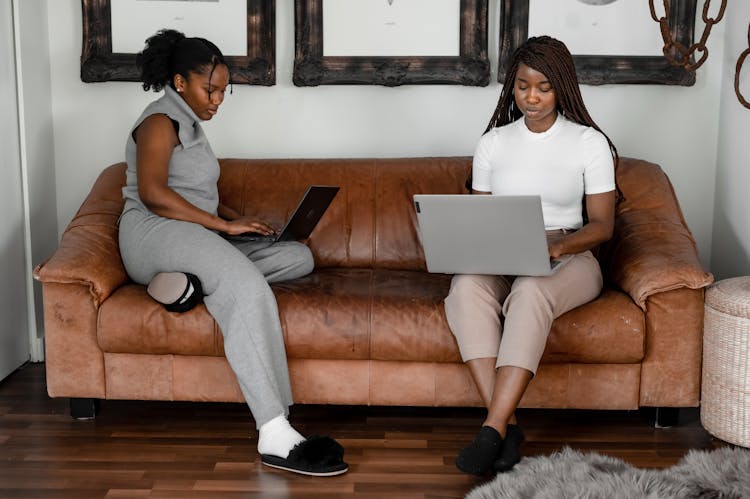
(277, 437)
(314, 456)
(177, 291)
(511, 450)
(281, 446)
(478, 457)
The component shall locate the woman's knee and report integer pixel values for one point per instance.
(470, 285)
(528, 286)
(288, 260)
(471, 295)
(528, 291)
(461, 290)
(303, 258)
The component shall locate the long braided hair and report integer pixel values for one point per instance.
(550, 57)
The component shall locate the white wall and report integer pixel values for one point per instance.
(731, 236)
(14, 342)
(676, 127)
(37, 143)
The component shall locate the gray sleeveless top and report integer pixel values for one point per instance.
(193, 168)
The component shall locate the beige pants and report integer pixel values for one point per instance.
(528, 304)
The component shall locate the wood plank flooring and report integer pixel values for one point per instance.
(190, 450)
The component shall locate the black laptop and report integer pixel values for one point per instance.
(305, 217)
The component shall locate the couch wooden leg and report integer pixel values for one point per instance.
(83, 408)
(667, 417)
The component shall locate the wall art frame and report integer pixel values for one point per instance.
(606, 69)
(311, 68)
(99, 63)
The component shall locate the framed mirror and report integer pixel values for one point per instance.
(622, 31)
(391, 42)
(113, 31)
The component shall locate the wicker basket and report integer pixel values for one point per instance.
(725, 392)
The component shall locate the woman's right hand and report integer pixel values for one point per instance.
(243, 225)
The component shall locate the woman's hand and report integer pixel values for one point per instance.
(242, 225)
(555, 245)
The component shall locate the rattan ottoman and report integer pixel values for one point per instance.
(725, 388)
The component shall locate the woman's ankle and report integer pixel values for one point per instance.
(499, 426)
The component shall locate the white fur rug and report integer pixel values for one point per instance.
(721, 474)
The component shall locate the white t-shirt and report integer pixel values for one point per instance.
(560, 165)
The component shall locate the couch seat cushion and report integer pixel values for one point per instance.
(131, 322)
(367, 314)
(360, 314)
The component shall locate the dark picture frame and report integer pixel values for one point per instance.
(99, 64)
(606, 69)
(311, 68)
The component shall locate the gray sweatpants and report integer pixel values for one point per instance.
(235, 276)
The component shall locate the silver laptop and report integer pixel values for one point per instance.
(484, 234)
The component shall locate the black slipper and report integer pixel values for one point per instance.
(511, 453)
(477, 458)
(316, 456)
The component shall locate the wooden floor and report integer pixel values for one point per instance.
(188, 450)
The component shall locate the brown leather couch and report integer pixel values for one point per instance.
(367, 326)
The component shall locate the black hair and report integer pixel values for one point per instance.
(169, 53)
(552, 58)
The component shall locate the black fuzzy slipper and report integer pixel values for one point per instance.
(511, 453)
(477, 458)
(316, 456)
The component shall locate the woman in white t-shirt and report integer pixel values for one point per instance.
(542, 141)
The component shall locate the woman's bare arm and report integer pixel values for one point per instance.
(156, 139)
(600, 209)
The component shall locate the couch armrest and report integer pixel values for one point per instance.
(89, 251)
(88, 254)
(652, 249)
(650, 254)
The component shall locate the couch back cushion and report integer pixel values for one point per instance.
(646, 192)
(370, 223)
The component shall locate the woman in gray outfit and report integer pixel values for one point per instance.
(173, 226)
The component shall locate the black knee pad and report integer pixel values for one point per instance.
(177, 291)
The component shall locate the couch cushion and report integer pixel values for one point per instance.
(131, 322)
(360, 314)
(610, 329)
(371, 221)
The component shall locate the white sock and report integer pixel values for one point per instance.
(277, 437)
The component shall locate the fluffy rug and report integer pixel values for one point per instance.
(723, 474)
